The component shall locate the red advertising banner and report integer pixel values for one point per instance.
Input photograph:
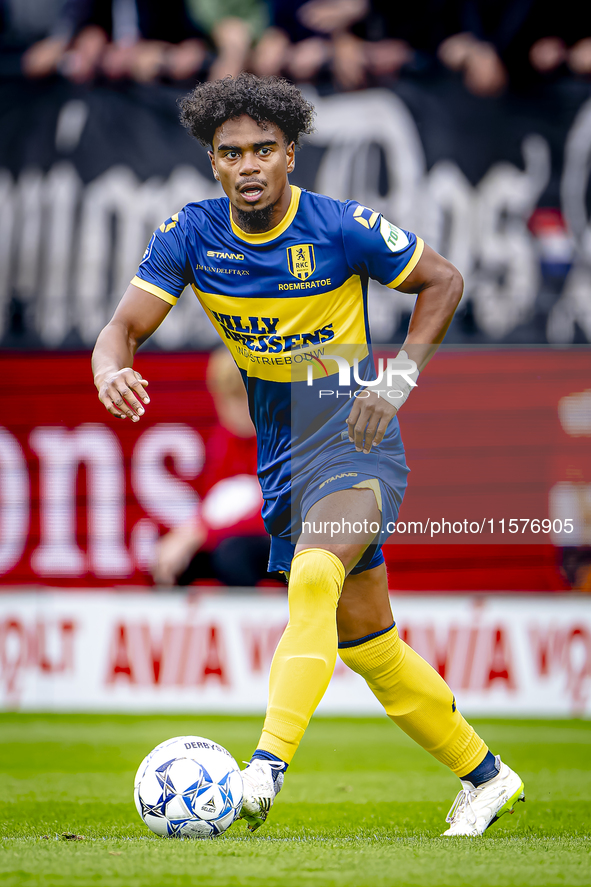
(84, 495)
(497, 442)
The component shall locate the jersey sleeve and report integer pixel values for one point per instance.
(163, 269)
(375, 246)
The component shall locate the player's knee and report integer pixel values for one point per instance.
(316, 580)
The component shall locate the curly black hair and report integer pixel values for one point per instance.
(265, 99)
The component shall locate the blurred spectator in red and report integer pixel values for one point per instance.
(226, 540)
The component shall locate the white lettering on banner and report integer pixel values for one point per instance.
(39, 646)
(175, 655)
(509, 265)
(482, 229)
(113, 199)
(451, 218)
(62, 194)
(60, 453)
(571, 311)
(28, 245)
(14, 501)
(166, 498)
(7, 226)
(38, 221)
(47, 218)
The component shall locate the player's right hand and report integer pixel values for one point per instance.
(122, 394)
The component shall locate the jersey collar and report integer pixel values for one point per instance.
(267, 236)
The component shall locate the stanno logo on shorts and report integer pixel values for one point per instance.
(337, 476)
(301, 261)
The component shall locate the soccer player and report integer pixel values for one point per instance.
(282, 274)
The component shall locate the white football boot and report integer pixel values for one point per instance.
(475, 809)
(262, 781)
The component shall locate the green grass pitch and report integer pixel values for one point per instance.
(362, 805)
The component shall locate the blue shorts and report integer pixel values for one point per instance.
(340, 467)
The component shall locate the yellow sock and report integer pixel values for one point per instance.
(306, 654)
(416, 698)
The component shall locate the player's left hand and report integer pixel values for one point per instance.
(368, 421)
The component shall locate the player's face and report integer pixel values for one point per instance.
(252, 162)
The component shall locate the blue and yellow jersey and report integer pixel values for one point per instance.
(283, 301)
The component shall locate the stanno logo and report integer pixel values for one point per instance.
(301, 261)
(337, 476)
(212, 253)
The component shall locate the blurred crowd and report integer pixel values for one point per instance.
(350, 44)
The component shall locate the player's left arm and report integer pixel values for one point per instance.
(439, 287)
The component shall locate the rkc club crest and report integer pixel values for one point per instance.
(301, 261)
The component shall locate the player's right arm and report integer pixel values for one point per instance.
(160, 280)
(120, 388)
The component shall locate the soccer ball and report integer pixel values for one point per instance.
(188, 787)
